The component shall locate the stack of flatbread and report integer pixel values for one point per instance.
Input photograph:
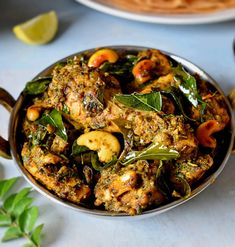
(170, 6)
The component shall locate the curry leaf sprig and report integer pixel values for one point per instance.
(18, 214)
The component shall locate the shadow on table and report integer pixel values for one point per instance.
(53, 227)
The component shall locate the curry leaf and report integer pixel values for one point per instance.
(6, 185)
(97, 165)
(181, 186)
(36, 235)
(121, 69)
(12, 232)
(21, 205)
(145, 102)
(29, 245)
(162, 180)
(128, 135)
(155, 151)
(77, 149)
(178, 98)
(37, 86)
(21, 194)
(28, 218)
(54, 118)
(5, 220)
(187, 84)
(9, 202)
(18, 216)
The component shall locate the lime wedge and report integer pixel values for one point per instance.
(38, 30)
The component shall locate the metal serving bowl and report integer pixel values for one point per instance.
(10, 149)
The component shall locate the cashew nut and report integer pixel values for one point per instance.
(204, 132)
(102, 56)
(142, 70)
(33, 113)
(106, 144)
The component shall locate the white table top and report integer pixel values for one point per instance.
(208, 219)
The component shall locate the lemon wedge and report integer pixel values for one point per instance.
(38, 30)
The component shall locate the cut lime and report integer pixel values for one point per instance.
(38, 30)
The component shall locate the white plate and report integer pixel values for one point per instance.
(219, 16)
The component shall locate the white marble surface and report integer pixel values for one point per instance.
(207, 220)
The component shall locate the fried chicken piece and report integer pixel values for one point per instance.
(84, 92)
(193, 170)
(51, 171)
(129, 189)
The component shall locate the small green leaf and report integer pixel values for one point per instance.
(21, 205)
(162, 180)
(178, 98)
(145, 102)
(5, 220)
(128, 135)
(29, 245)
(77, 149)
(54, 118)
(181, 185)
(97, 165)
(6, 185)
(28, 218)
(12, 232)
(187, 85)
(9, 202)
(155, 151)
(36, 235)
(21, 194)
(37, 86)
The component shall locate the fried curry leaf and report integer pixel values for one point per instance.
(97, 165)
(54, 118)
(128, 135)
(178, 98)
(120, 69)
(145, 102)
(181, 187)
(77, 149)
(154, 151)
(37, 86)
(187, 84)
(161, 180)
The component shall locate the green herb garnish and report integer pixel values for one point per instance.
(162, 180)
(181, 186)
(97, 165)
(17, 214)
(37, 86)
(187, 85)
(154, 151)
(145, 102)
(77, 149)
(54, 118)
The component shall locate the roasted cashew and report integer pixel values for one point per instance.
(142, 70)
(106, 144)
(204, 133)
(102, 56)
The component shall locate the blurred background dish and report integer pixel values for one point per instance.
(174, 12)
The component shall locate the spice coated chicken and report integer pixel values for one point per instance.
(121, 130)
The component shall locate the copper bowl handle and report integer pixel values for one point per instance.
(8, 102)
